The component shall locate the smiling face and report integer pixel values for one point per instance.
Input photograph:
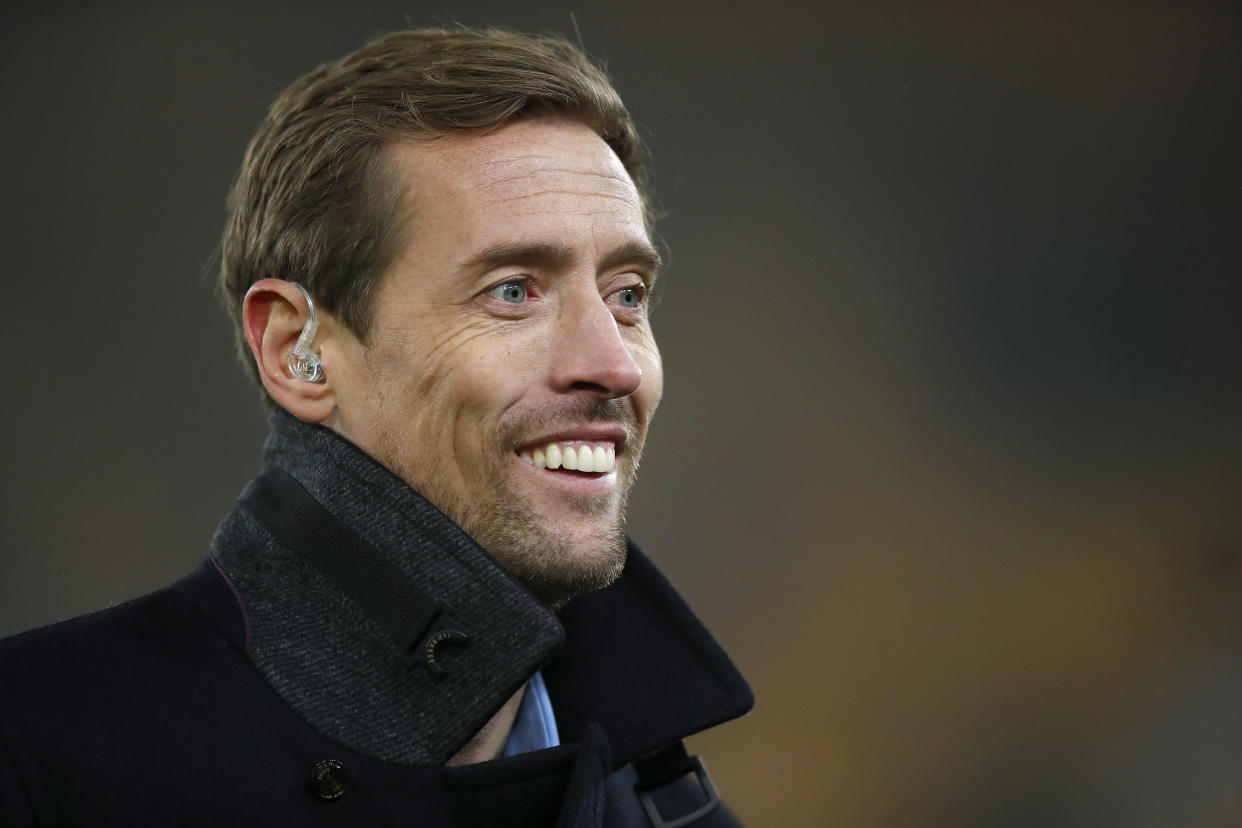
(509, 337)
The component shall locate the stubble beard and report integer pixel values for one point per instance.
(549, 564)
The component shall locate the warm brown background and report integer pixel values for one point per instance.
(950, 451)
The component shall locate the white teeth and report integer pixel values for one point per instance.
(577, 456)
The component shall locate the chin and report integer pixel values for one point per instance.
(557, 588)
(557, 569)
(579, 546)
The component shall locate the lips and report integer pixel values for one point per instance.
(598, 456)
(590, 448)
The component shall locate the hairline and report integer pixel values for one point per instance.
(383, 184)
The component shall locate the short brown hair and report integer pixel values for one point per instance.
(309, 204)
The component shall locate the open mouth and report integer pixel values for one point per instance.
(593, 458)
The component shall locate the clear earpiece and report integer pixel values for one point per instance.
(303, 362)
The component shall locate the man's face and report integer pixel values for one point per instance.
(512, 328)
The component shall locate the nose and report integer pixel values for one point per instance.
(590, 353)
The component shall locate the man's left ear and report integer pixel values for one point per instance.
(281, 323)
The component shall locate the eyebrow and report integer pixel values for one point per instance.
(635, 253)
(551, 255)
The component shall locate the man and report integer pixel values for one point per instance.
(424, 609)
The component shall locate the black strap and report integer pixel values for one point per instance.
(416, 624)
(660, 767)
(663, 767)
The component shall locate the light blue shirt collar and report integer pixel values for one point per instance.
(534, 727)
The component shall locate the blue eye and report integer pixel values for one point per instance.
(629, 297)
(513, 293)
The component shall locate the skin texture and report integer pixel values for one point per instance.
(489, 742)
(455, 376)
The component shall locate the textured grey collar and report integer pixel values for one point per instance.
(329, 658)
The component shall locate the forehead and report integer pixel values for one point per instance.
(538, 180)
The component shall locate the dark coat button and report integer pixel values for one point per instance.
(329, 779)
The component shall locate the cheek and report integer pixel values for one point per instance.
(468, 379)
(649, 393)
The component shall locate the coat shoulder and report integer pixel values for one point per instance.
(99, 701)
(120, 646)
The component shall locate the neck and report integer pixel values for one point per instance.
(333, 498)
(489, 742)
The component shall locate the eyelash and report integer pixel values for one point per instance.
(524, 282)
(527, 284)
(640, 289)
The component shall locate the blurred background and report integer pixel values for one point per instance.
(949, 456)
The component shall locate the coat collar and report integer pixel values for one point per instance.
(631, 657)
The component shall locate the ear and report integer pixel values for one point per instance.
(273, 315)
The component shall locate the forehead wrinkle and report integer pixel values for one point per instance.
(523, 171)
(610, 176)
(590, 193)
(565, 184)
(612, 211)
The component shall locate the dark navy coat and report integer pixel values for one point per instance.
(183, 708)
(151, 713)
